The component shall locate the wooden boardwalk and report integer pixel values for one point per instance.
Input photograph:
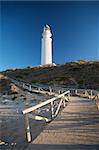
(76, 127)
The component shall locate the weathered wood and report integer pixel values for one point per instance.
(50, 89)
(59, 91)
(76, 92)
(91, 94)
(39, 118)
(52, 110)
(51, 101)
(68, 96)
(87, 94)
(64, 102)
(39, 89)
(44, 103)
(30, 87)
(23, 85)
(77, 124)
(96, 98)
(58, 108)
(28, 134)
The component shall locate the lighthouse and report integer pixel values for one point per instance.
(46, 46)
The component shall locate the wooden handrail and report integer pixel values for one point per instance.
(91, 94)
(60, 97)
(31, 109)
(42, 88)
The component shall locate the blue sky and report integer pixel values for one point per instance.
(75, 28)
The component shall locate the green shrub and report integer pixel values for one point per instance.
(80, 82)
(20, 76)
(34, 81)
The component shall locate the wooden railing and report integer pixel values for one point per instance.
(34, 88)
(61, 95)
(87, 93)
(61, 99)
(96, 99)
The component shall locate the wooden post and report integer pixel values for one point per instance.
(58, 108)
(62, 91)
(91, 94)
(52, 110)
(85, 93)
(64, 103)
(39, 89)
(59, 91)
(50, 89)
(75, 92)
(23, 85)
(97, 101)
(30, 87)
(68, 96)
(28, 134)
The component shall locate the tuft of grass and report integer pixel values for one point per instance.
(20, 76)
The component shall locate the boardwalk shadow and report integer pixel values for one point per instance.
(75, 119)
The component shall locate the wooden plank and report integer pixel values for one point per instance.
(77, 124)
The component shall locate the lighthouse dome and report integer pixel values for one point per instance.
(46, 31)
(46, 27)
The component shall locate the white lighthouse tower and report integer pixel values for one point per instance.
(46, 49)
